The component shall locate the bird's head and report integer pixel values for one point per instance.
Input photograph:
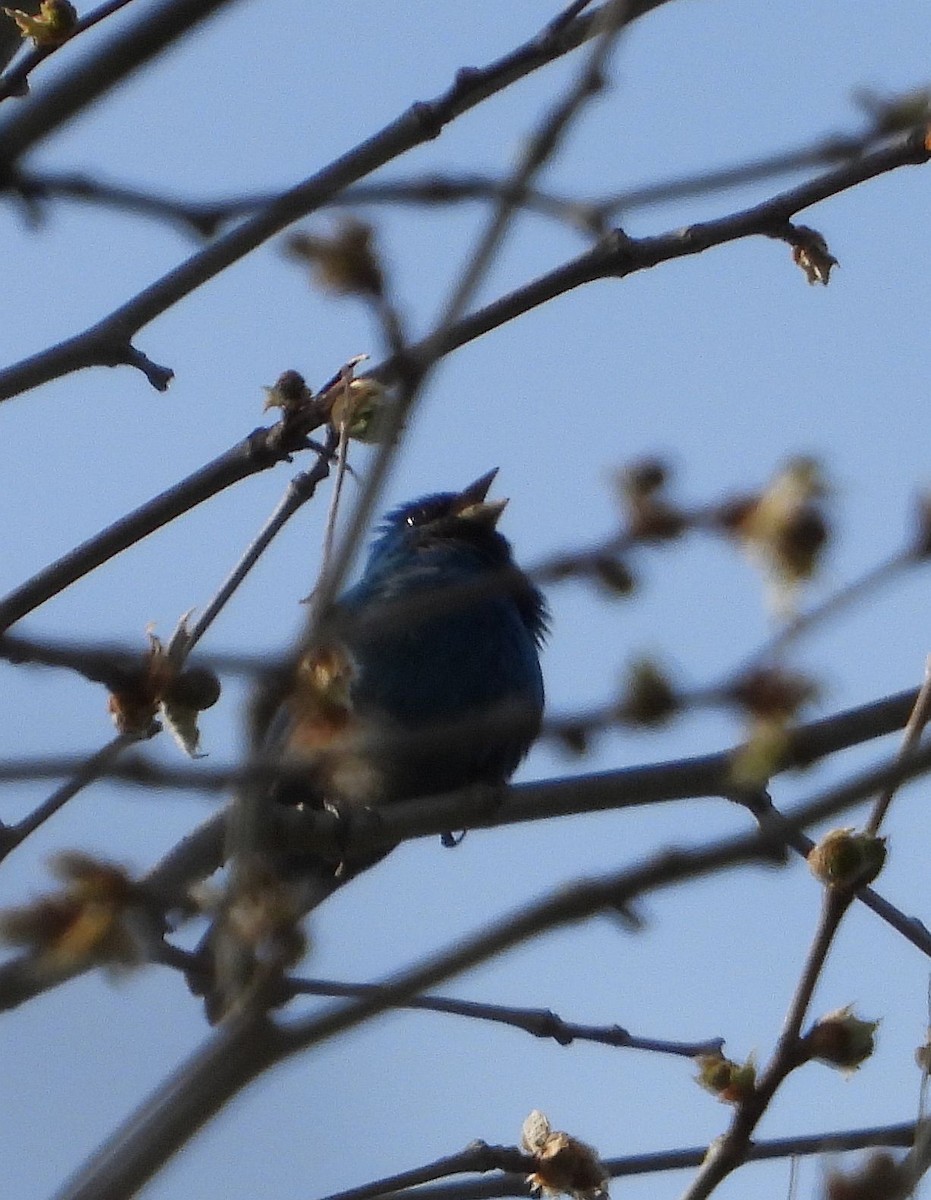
(450, 536)
(457, 516)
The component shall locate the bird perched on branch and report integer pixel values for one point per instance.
(427, 677)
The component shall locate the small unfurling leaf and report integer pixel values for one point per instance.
(360, 405)
(762, 754)
(53, 24)
(730, 1081)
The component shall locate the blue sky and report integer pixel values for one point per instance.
(726, 363)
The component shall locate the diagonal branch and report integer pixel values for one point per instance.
(617, 255)
(109, 342)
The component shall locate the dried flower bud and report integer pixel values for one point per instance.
(574, 737)
(844, 858)
(196, 687)
(649, 697)
(345, 263)
(183, 700)
(841, 1039)
(86, 922)
(649, 516)
(53, 24)
(643, 478)
(810, 252)
(564, 1165)
(730, 1081)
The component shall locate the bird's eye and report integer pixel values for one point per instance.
(423, 514)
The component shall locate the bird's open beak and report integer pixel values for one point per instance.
(471, 504)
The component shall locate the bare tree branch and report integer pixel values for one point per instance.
(663, 1160)
(109, 341)
(618, 255)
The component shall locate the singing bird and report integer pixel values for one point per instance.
(429, 677)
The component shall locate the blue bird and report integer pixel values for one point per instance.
(427, 677)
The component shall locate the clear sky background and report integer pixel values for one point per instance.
(726, 363)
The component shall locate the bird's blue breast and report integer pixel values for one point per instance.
(451, 667)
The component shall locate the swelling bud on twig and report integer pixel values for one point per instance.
(844, 858)
(730, 1081)
(895, 114)
(564, 1165)
(841, 1039)
(53, 24)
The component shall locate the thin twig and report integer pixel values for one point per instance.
(262, 449)
(618, 255)
(89, 772)
(193, 1094)
(540, 1023)
(917, 721)
(301, 489)
(109, 341)
(730, 1150)
(686, 1158)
